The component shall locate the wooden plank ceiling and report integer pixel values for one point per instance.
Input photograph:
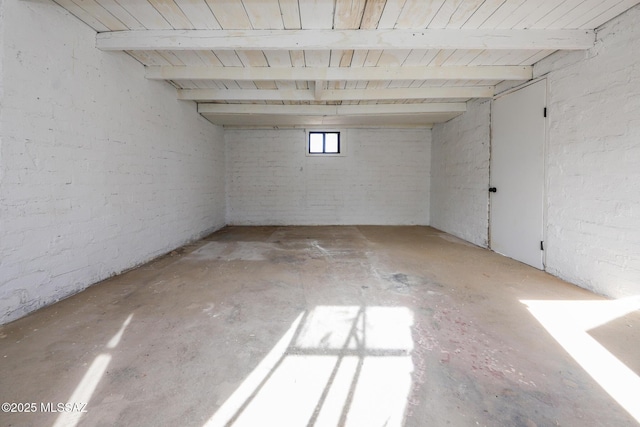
(340, 62)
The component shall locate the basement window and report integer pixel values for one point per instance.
(323, 143)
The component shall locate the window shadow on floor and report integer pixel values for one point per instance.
(336, 365)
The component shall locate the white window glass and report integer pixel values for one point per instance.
(315, 143)
(331, 143)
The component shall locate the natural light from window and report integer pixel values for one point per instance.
(568, 322)
(86, 387)
(336, 365)
(324, 142)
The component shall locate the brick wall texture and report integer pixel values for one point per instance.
(382, 179)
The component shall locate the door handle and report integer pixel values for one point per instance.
(493, 190)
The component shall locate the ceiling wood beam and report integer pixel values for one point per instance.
(564, 39)
(318, 90)
(493, 72)
(332, 110)
(204, 95)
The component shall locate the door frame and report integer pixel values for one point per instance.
(545, 144)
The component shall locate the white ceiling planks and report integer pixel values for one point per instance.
(149, 58)
(188, 58)
(230, 14)
(278, 58)
(316, 14)
(264, 15)
(146, 14)
(577, 15)
(372, 56)
(317, 58)
(462, 57)
(390, 14)
(228, 58)
(488, 9)
(465, 10)
(415, 57)
(199, 13)
(418, 15)
(172, 14)
(290, 14)
(115, 9)
(83, 15)
(538, 56)
(523, 11)
(343, 14)
(590, 14)
(209, 58)
(393, 57)
(372, 14)
(101, 14)
(171, 57)
(447, 11)
(610, 13)
(348, 14)
(561, 10)
(532, 16)
(503, 11)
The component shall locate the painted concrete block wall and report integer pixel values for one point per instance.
(383, 179)
(460, 174)
(101, 169)
(593, 161)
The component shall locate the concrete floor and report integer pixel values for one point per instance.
(362, 326)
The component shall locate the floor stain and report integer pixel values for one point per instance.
(212, 316)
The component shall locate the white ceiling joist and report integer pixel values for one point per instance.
(490, 72)
(519, 39)
(203, 95)
(332, 110)
(318, 90)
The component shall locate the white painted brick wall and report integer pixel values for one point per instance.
(460, 174)
(101, 169)
(383, 179)
(593, 166)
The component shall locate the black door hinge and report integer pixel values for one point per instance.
(541, 245)
(545, 111)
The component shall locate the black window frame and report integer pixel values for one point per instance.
(324, 134)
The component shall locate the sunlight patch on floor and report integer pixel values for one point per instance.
(568, 322)
(336, 365)
(91, 379)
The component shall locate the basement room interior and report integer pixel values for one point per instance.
(319, 213)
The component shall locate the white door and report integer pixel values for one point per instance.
(517, 174)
